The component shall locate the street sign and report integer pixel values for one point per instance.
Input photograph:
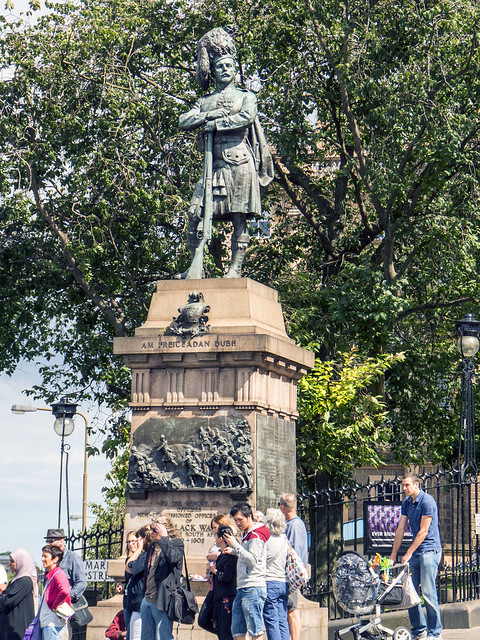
(96, 570)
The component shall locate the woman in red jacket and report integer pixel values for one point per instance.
(57, 593)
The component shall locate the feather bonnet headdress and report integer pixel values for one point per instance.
(214, 44)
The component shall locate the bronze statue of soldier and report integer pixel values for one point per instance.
(237, 160)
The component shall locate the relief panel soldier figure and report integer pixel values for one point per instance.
(236, 156)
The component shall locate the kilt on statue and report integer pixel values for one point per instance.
(237, 160)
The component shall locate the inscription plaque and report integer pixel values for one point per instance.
(276, 459)
(191, 511)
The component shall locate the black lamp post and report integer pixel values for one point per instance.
(63, 426)
(468, 345)
(64, 412)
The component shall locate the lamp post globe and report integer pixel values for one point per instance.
(64, 426)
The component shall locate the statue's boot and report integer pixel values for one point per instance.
(195, 270)
(181, 276)
(239, 247)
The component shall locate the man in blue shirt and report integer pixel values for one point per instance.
(296, 533)
(424, 554)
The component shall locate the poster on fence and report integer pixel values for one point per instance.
(380, 521)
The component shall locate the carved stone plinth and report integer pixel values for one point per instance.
(214, 385)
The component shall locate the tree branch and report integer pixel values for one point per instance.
(436, 305)
(283, 179)
(116, 319)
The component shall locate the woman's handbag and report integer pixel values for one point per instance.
(402, 596)
(183, 605)
(297, 573)
(205, 617)
(81, 614)
(33, 631)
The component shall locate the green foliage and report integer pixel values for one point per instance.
(108, 515)
(111, 513)
(343, 425)
(373, 110)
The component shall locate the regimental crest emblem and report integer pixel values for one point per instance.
(192, 319)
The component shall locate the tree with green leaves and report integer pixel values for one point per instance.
(91, 210)
(343, 424)
(375, 117)
(372, 109)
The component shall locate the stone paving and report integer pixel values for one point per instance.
(461, 634)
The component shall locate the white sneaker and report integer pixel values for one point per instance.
(422, 636)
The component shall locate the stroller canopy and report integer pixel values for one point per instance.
(355, 584)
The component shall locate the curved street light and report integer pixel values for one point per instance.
(64, 425)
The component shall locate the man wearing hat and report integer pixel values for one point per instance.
(241, 158)
(71, 564)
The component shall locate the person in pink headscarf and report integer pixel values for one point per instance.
(17, 601)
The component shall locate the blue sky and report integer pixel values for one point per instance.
(30, 466)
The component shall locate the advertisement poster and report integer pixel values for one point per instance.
(380, 521)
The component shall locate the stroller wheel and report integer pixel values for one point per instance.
(401, 633)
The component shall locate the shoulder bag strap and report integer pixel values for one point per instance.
(178, 572)
(45, 590)
(186, 570)
(43, 594)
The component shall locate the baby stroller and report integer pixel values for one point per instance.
(359, 589)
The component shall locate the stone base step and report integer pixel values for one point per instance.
(314, 621)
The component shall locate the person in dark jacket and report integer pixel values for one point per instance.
(164, 558)
(135, 571)
(131, 547)
(17, 601)
(224, 571)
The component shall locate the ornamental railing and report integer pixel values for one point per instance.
(337, 521)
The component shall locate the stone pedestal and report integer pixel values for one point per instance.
(213, 418)
(314, 621)
(213, 415)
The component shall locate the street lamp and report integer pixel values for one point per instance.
(64, 425)
(468, 345)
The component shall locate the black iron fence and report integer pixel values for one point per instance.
(96, 545)
(336, 523)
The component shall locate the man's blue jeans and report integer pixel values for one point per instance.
(247, 611)
(156, 625)
(424, 568)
